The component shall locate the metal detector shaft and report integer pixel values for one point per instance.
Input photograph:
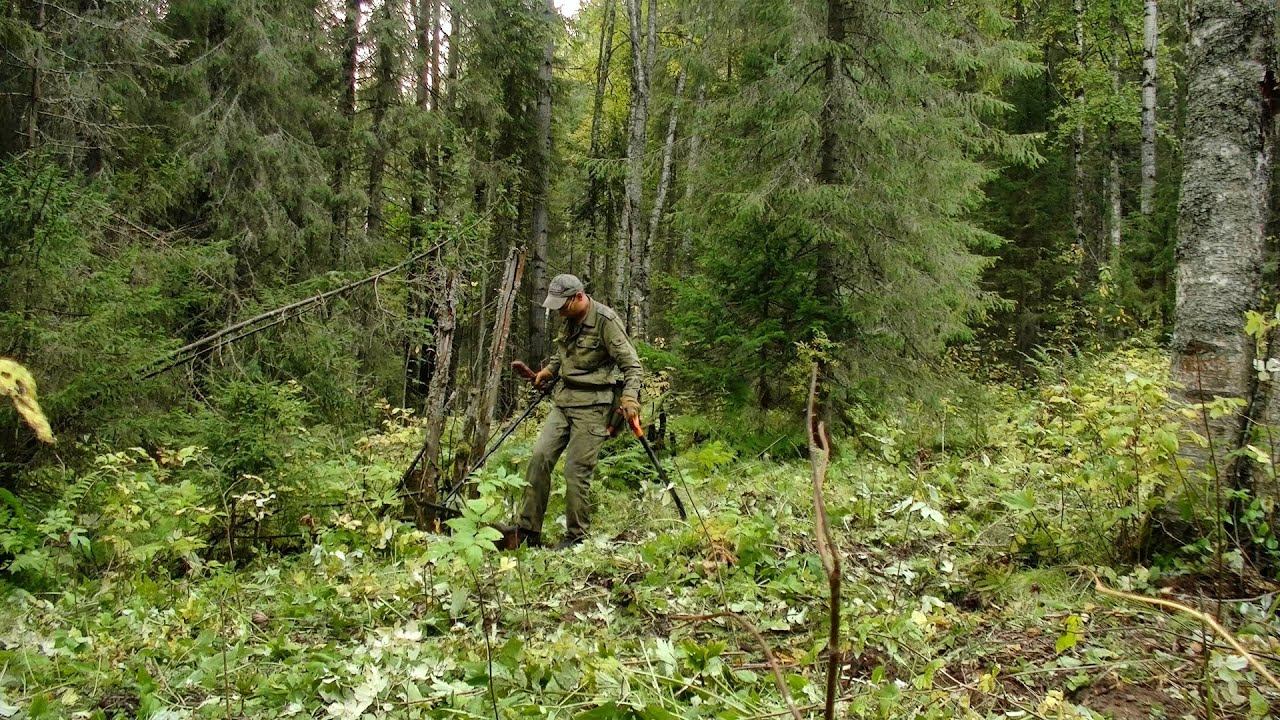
(453, 491)
(653, 458)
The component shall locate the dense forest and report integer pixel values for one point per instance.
(959, 322)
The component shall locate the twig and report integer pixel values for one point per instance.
(750, 627)
(488, 644)
(1199, 615)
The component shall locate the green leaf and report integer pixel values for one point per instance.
(1023, 501)
(657, 712)
(608, 711)
(1068, 640)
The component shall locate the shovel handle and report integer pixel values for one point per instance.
(635, 426)
(523, 370)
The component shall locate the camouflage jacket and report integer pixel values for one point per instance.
(591, 356)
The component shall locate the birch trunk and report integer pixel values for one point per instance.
(637, 137)
(1150, 42)
(1077, 149)
(542, 190)
(622, 255)
(691, 164)
(664, 175)
(1223, 211)
(1115, 211)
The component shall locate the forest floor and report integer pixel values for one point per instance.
(964, 592)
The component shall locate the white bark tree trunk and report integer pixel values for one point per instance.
(664, 176)
(1115, 212)
(691, 163)
(1150, 42)
(1077, 144)
(637, 137)
(538, 266)
(1223, 209)
(621, 257)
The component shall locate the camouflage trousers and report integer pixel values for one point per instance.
(578, 433)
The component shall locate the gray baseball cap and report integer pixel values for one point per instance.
(562, 288)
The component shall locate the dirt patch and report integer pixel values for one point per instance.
(1119, 700)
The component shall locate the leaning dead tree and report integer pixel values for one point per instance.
(484, 397)
(422, 480)
(819, 457)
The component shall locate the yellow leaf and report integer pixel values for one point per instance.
(17, 383)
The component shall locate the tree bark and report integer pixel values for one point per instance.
(419, 354)
(482, 414)
(637, 137)
(828, 149)
(664, 175)
(1077, 149)
(1115, 211)
(542, 194)
(660, 198)
(691, 163)
(825, 281)
(622, 257)
(1150, 42)
(350, 63)
(33, 112)
(1223, 210)
(427, 480)
(604, 58)
(384, 93)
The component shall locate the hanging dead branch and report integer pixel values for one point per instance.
(270, 318)
(819, 456)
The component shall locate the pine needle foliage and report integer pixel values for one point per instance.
(910, 114)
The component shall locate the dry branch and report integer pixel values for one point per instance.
(230, 334)
(819, 455)
(1203, 617)
(750, 627)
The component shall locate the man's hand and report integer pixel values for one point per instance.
(542, 378)
(629, 407)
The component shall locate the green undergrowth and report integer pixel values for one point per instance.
(965, 589)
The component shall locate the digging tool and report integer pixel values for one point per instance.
(638, 431)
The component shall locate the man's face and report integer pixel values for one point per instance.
(574, 306)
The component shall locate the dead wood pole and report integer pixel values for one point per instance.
(421, 485)
(480, 416)
(819, 455)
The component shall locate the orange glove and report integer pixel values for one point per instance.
(542, 378)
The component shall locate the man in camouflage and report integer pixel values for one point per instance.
(596, 366)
